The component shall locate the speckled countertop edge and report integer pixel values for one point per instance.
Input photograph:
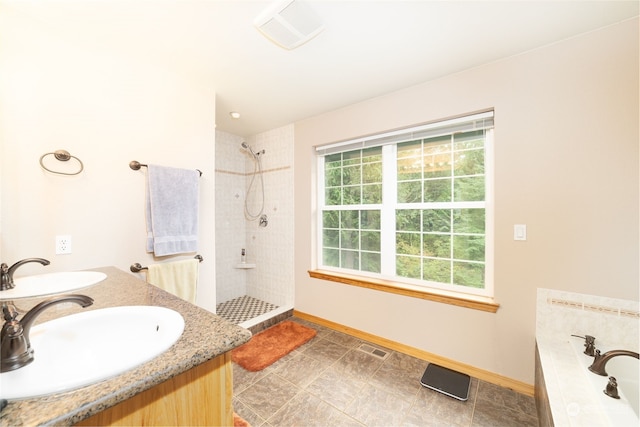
(205, 336)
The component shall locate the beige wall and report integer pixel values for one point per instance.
(58, 92)
(566, 164)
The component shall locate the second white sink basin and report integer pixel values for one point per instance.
(87, 347)
(51, 283)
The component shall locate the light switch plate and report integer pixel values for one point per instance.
(519, 232)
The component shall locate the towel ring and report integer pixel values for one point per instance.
(63, 156)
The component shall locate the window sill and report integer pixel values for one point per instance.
(462, 300)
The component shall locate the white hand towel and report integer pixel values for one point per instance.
(179, 278)
(172, 210)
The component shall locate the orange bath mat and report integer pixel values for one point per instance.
(238, 421)
(270, 345)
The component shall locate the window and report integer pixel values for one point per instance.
(411, 206)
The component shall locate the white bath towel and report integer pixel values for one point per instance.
(172, 210)
(179, 278)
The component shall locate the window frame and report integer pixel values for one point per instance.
(388, 210)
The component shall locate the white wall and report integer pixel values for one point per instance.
(272, 247)
(566, 164)
(231, 162)
(60, 93)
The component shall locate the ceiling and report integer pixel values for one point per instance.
(367, 49)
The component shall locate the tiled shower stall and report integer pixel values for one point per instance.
(256, 292)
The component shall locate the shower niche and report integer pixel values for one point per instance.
(254, 228)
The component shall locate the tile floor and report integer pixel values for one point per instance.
(329, 382)
(243, 308)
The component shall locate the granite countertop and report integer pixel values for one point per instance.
(205, 336)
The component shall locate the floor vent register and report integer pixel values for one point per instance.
(446, 381)
(381, 354)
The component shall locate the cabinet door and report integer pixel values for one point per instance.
(201, 396)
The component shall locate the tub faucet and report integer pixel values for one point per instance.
(15, 346)
(6, 272)
(600, 361)
(589, 344)
(612, 388)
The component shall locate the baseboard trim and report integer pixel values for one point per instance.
(478, 373)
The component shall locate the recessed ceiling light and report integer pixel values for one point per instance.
(234, 115)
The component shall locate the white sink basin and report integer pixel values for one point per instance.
(51, 283)
(84, 348)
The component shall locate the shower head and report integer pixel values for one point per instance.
(253, 153)
(248, 148)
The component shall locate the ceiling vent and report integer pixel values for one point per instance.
(289, 23)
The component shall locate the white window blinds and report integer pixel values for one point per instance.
(478, 121)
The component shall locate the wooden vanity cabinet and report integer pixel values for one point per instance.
(201, 396)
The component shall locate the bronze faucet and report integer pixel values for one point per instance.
(589, 344)
(600, 361)
(15, 346)
(6, 272)
(612, 388)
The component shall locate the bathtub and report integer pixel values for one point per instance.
(575, 395)
(567, 393)
(625, 370)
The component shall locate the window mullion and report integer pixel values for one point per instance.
(388, 211)
(320, 174)
(453, 197)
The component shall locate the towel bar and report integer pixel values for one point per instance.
(137, 268)
(136, 165)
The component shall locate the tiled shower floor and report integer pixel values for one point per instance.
(243, 308)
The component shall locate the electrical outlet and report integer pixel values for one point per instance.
(63, 245)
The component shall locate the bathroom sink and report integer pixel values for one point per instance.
(51, 283)
(84, 348)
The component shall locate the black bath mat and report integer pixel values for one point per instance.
(446, 381)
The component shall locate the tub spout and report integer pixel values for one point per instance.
(600, 361)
